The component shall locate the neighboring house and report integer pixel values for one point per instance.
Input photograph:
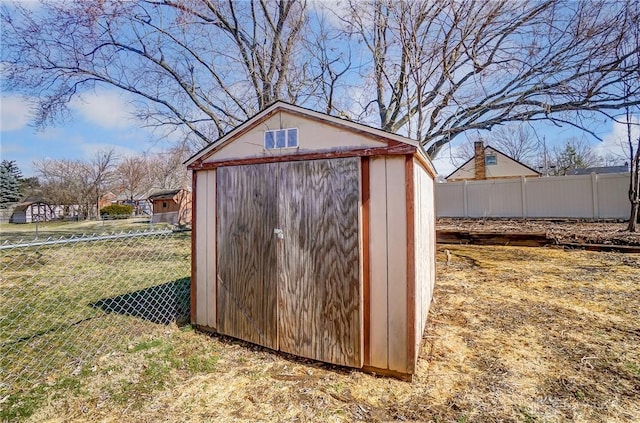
(106, 200)
(315, 236)
(37, 211)
(172, 206)
(599, 170)
(489, 163)
(140, 203)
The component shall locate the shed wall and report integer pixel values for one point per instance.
(388, 249)
(390, 343)
(172, 206)
(312, 136)
(205, 248)
(425, 245)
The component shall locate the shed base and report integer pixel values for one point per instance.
(366, 369)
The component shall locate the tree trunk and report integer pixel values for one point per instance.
(634, 218)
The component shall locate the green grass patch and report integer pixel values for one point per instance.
(197, 364)
(145, 345)
(63, 305)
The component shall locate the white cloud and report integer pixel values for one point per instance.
(331, 10)
(614, 144)
(105, 108)
(14, 113)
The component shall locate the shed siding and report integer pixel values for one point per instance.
(206, 248)
(172, 205)
(378, 335)
(312, 136)
(425, 244)
(397, 263)
(20, 217)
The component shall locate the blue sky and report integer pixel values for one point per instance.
(97, 121)
(103, 120)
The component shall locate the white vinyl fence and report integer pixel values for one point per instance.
(582, 196)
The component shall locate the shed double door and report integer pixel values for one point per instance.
(288, 257)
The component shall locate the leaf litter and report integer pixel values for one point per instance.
(515, 334)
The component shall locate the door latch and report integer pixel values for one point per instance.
(279, 233)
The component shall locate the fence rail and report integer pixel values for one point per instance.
(581, 196)
(62, 301)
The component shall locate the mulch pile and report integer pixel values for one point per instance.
(561, 232)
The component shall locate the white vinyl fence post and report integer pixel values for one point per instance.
(594, 190)
(523, 190)
(464, 200)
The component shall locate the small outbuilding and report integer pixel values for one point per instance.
(171, 206)
(315, 236)
(34, 211)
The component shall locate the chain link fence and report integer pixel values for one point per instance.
(64, 301)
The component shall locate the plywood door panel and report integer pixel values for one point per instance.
(247, 265)
(319, 291)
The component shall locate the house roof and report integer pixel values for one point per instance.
(164, 195)
(25, 205)
(599, 170)
(311, 114)
(497, 151)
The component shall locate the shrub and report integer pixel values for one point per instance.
(116, 211)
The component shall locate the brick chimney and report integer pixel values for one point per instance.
(478, 158)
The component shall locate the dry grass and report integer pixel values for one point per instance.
(515, 334)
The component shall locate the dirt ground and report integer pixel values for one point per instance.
(516, 334)
(561, 231)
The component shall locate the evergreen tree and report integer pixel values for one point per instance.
(13, 169)
(9, 187)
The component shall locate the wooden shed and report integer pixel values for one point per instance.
(315, 236)
(172, 206)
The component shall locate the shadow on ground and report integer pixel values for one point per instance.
(163, 304)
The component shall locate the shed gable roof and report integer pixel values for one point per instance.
(164, 195)
(320, 131)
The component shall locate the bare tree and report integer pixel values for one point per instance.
(574, 154)
(76, 183)
(444, 67)
(516, 141)
(133, 176)
(331, 64)
(100, 177)
(204, 65)
(166, 168)
(430, 69)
